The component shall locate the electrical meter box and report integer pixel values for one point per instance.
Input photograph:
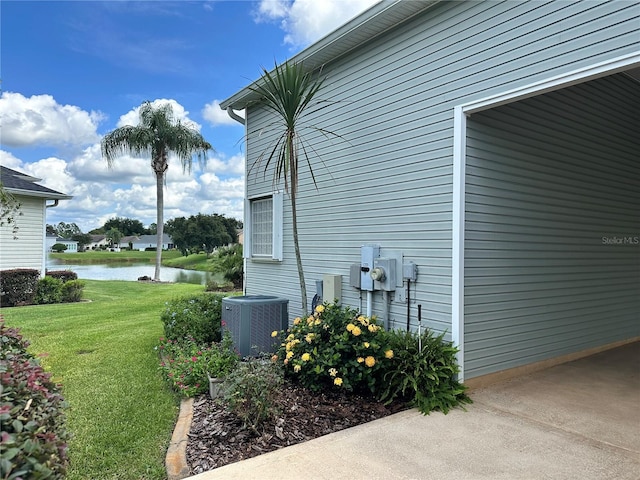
(388, 281)
(368, 254)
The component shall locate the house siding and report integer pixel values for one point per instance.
(388, 179)
(28, 249)
(552, 181)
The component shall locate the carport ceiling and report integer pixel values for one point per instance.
(634, 73)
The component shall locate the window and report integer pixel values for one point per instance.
(264, 238)
(262, 227)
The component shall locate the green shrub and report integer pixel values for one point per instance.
(64, 275)
(18, 286)
(71, 291)
(48, 291)
(59, 248)
(334, 347)
(423, 371)
(32, 421)
(185, 364)
(196, 317)
(231, 264)
(250, 392)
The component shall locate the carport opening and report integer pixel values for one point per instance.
(552, 224)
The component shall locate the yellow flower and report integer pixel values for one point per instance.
(306, 357)
(366, 344)
(356, 331)
(362, 319)
(317, 322)
(388, 354)
(350, 327)
(274, 358)
(274, 333)
(337, 381)
(369, 361)
(320, 308)
(372, 328)
(333, 372)
(290, 337)
(288, 346)
(309, 338)
(311, 319)
(297, 320)
(289, 355)
(297, 368)
(360, 359)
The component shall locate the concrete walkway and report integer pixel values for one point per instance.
(579, 420)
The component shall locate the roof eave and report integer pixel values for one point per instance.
(361, 29)
(33, 193)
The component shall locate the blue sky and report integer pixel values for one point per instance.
(74, 70)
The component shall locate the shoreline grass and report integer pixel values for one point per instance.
(121, 413)
(101, 256)
(170, 258)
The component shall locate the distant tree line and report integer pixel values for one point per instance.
(202, 233)
(190, 235)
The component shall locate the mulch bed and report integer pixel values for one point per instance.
(217, 436)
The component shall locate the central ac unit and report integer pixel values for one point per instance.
(251, 319)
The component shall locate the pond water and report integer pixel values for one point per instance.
(131, 272)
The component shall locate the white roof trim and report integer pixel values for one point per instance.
(35, 193)
(591, 72)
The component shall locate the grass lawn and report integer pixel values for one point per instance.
(121, 411)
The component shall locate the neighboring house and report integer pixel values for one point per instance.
(28, 249)
(143, 242)
(97, 241)
(494, 144)
(72, 245)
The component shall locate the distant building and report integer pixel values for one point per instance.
(27, 248)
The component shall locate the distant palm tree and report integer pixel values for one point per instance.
(288, 92)
(158, 134)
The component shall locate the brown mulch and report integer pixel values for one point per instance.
(217, 436)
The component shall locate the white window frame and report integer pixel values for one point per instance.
(276, 231)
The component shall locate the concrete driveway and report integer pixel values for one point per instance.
(579, 420)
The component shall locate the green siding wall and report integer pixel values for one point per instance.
(389, 179)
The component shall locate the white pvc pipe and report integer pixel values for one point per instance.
(369, 302)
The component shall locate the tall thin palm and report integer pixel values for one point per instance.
(288, 92)
(158, 134)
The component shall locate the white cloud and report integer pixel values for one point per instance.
(10, 161)
(216, 116)
(40, 121)
(305, 21)
(128, 189)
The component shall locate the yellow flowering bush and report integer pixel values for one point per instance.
(335, 347)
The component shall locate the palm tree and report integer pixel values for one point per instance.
(159, 134)
(288, 92)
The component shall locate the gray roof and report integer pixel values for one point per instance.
(152, 239)
(361, 29)
(22, 184)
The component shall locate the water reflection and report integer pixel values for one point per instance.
(132, 272)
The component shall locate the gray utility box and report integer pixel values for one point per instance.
(251, 319)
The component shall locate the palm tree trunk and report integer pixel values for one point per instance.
(296, 246)
(293, 188)
(159, 222)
